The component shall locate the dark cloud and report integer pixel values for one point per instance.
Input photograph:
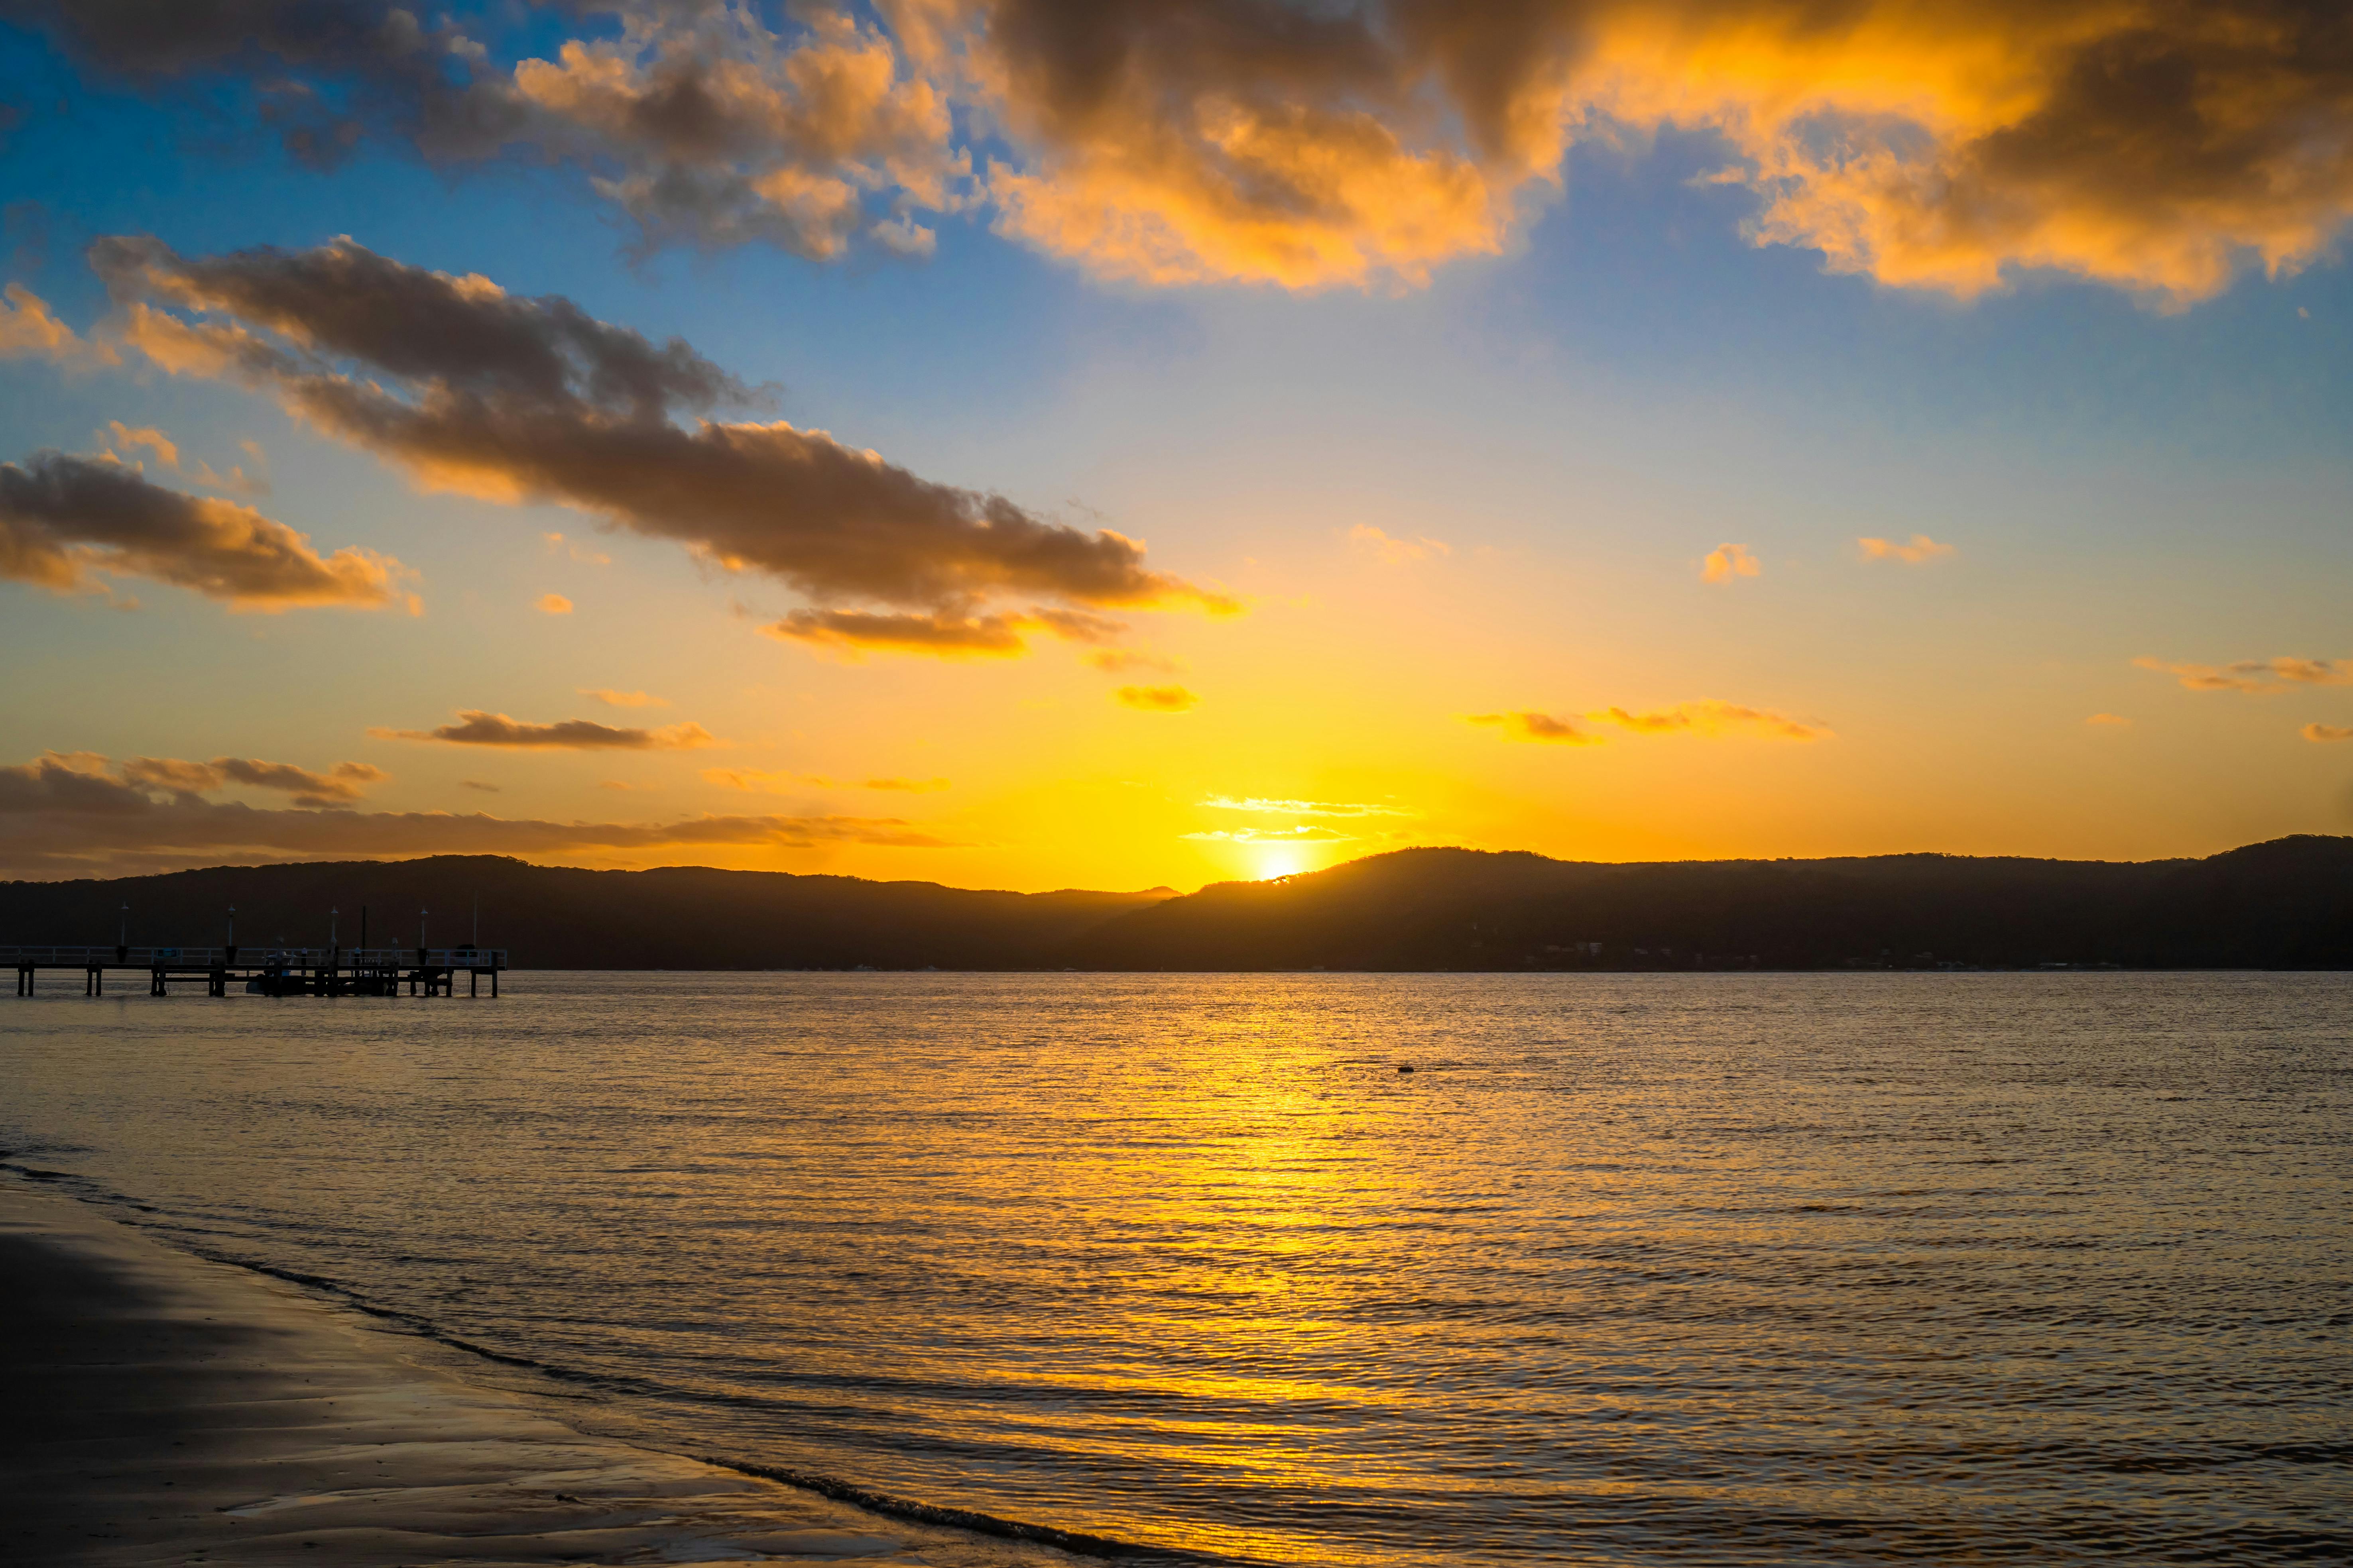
(1940, 144)
(60, 819)
(340, 785)
(65, 518)
(477, 727)
(478, 392)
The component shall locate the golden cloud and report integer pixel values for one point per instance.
(1727, 561)
(1300, 807)
(2326, 732)
(2109, 721)
(1301, 834)
(554, 605)
(63, 519)
(477, 727)
(776, 783)
(1919, 551)
(612, 699)
(1157, 698)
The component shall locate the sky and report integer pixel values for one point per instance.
(1020, 444)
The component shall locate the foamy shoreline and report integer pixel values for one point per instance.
(174, 1410)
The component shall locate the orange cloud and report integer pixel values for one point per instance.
(2112, 721)
(27, 331)
(1727, 561)
(2256, 674)
(1157, 698)
(2326, 732)
(1532, 726)
(1707, 717)
(554, 605)
(1920, 551)
(1130, 661)
(477, 727)
(612, 699)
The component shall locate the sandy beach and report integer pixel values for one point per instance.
(173, 1410)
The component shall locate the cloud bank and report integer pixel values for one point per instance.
(2161, 146)
(2256, 674)
(62, 816)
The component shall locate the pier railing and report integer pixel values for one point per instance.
(257, 957)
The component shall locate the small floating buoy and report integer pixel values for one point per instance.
(1403, 1068)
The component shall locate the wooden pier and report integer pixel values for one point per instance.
(272, 971)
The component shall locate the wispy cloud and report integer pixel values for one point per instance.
(2256, 674)
(1919, 551)
(129, 439)
(1157, 698)
(2108, 721)
(2326, 732)
(1726, 562)
(777, 782)
(1707, 717)
(612, 699)
(337, 787)
(1302, 807)
(1300, 834)
(1130, 661)
(1531, 726)
(554, 605)
(577, 551)
(1397, 552)
(476, 728)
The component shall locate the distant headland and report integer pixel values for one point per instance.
(2286, 904)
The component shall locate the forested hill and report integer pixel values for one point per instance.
(553, 917)
(2288, 903)
(2284, 904)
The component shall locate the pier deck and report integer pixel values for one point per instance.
(275, 971)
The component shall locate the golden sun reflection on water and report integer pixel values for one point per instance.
(1719, 1268)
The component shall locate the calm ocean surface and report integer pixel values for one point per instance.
(1630, 1269)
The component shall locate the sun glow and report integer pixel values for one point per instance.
(1277, 860)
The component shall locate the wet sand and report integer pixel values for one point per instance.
(170, 1410)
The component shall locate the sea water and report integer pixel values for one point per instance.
(1718, 1269)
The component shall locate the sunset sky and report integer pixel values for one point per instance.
(1115, 443)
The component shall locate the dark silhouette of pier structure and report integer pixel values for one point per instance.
(274, 971)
